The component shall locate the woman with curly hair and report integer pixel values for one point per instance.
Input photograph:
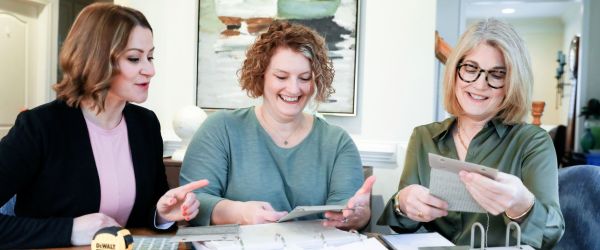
(263, 161)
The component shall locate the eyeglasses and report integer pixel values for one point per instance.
(470, 73)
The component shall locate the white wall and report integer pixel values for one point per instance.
(175, 35)
(572, 26)
(396, 82)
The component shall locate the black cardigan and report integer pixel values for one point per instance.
(46, 159)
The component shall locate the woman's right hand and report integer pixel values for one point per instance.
(419, 205)
(85, 226)
(258, 212)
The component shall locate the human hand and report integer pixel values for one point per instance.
(179, 203)
(358, 209)
(419, 205)
(86, 226)
(258, 212)
(505, 193)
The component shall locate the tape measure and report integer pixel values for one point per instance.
(112, 238)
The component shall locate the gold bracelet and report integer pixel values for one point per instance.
(523, 214)
(397, 209)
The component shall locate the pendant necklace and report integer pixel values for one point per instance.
(285, 139)
(460, 136)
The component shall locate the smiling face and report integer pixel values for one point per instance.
(477, 100)
(135, 68)
(288, 83)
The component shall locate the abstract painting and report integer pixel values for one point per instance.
(226, 28)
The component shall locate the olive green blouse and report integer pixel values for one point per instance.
(523, 150)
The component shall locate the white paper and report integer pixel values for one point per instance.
(370, 244)
(300, 211)
(416, 240)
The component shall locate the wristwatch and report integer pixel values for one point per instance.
(397, 205)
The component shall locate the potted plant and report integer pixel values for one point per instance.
(591, 137)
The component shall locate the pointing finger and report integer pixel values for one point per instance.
(193, 186)
(180, 192)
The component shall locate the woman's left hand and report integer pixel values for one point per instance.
(358, 210)
(506, 193)
(179, 203)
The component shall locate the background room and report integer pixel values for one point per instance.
(398, 73)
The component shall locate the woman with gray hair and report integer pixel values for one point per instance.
(487, 90)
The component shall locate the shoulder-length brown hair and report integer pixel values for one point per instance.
(519, 78)
(298, 38)
(90, 52)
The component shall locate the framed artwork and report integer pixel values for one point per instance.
(226, 28)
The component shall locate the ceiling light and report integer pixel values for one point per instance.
(508, 10)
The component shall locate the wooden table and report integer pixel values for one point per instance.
(134, 232)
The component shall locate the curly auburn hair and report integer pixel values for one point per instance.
(297, 37)
(90, 52)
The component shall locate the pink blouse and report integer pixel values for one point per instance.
(115, 170)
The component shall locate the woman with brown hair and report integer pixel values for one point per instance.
(90, 159)
(264, 161)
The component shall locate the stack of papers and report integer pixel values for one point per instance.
(416, 241)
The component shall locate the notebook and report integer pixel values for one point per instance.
(288, 235)
(445, 183)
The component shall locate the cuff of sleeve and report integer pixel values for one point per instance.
(163, 226)
(207, 204)
(398, 222)
(532, 228)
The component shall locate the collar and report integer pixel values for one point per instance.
(446, 126)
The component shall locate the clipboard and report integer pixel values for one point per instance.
(301, 211)
(204, 233)
(455, 166)
(445, 183)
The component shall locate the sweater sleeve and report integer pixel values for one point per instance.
(347, 175)
(21, 156)
(207, 157)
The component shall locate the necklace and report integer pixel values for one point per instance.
(460, 137)
(285, 139)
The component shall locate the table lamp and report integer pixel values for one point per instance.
(187, 120)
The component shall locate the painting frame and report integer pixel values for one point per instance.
(220, 54)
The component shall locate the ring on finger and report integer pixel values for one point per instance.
(345, 220)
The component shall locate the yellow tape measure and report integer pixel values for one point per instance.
(112, 238)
